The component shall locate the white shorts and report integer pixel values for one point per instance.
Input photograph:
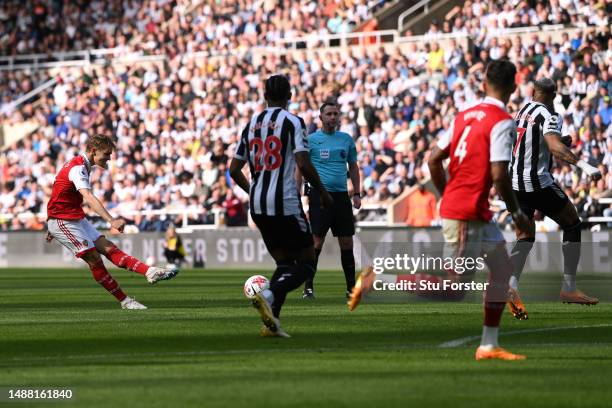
(471, 238)
(76, 235)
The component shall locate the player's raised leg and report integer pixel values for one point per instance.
(77, 237)
(104, 278)
(120, 259)
(569, 221)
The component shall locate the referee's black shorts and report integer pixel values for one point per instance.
(549, 200)
(339, 217)
(289, 232)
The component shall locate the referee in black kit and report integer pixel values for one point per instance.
(330, 152)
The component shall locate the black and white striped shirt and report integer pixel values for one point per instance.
(531, 159)
(268, 143)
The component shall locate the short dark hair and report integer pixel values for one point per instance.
(277, 88)
(100, 142)
(328, 102)
(501, 74)
(545, 86)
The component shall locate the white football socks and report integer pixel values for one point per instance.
(569, 283)
(489, 337)
(513, 282)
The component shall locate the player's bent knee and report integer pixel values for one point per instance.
(573, 233)
(91, 257)
(103, 245)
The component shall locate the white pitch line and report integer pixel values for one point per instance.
(464, 340)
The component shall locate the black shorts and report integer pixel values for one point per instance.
(549, 200)
(290, 232)
(339, 217)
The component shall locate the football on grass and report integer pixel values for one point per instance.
(254, 285)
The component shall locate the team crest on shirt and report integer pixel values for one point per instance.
(324, 154)
(342, 154)
(85, 243)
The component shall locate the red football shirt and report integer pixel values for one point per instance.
(478, 136)
(66, 201)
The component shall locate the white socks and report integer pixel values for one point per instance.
(513, 282)
(569, 283)
(489, 337)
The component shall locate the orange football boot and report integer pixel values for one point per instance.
(362, 286)
(497, 353)
(578, 297)
(516, 306)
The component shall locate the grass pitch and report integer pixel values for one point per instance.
(198, 345)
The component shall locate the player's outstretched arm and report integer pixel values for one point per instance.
(503, 185)
(436, 167)
(303, 162)
(562, 152)
(237, 175)
(95, 204)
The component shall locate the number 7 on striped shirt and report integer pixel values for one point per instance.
(520, 133)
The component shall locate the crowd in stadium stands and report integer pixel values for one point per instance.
(163, 27)
(482, 17)
(177, 122)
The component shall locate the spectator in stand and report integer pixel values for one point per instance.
(174, 251)
(235, 214)
(421, 208)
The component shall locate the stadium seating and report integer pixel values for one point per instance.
(176, 120)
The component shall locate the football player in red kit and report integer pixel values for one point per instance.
(479, 145)
(67, 223)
